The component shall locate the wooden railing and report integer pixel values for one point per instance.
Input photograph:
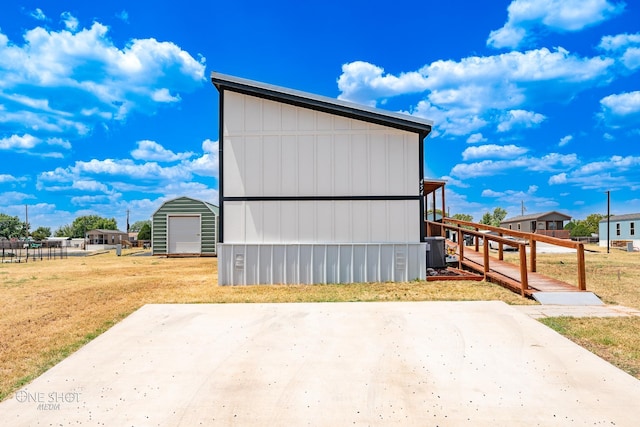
(465, 228)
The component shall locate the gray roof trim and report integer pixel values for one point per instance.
(533, 216)
(625, 217)
(322, 103)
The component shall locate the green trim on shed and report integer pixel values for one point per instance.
(185, 206)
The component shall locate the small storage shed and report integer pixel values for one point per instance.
(623, 230)
(184, 227)
(547, 223)
(317, 190)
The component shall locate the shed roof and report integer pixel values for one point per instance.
(625, 217)
(534, 216)
(213, 208)
(322, 103)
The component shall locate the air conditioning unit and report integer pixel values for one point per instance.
(436, 253)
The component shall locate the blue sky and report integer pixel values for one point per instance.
(107, 106)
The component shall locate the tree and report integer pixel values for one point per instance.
(463, 217)
(494, 218)
(145, 232)
(137, 226)
(10, 226)
(85, 223)
(592, 222)
(41, 233)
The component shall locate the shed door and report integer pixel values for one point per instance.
(184, 234)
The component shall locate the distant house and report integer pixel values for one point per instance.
(547, 223)
(185, 227)
(99, 239)
(622, 230)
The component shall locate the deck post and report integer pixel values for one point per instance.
(485, 250)
(500, 249)
(523, 269)
(460, 249)
(477, 239)
(533, 251)
(582, 279)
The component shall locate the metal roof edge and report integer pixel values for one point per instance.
(322, 103)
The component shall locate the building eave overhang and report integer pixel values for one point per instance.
(322, 103)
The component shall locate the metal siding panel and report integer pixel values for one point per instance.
(271, 166)
(233, 113)
(396, 172)
(271, 116)
(342, 220)
(360, 215)
(306, 120)
(289, 118)
(326, 224)
(252, 114)
(359, 169)
(324, 161)
(307, 221)
(341, 165)
(289, 219)
(324, 122)
(234, 223)
(379, 221)
(253, 222)
(271, 232)
(306, 165)
(252, 172)
(289, 166)
(378, 163)
(234, 166)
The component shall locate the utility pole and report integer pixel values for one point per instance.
(608, 219)
(127, 220)
(26, 221)
(522, 208)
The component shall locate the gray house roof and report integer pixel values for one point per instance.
(625, 217)
(322, 103)
(535, 216)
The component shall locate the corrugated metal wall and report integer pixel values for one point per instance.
(182, 206)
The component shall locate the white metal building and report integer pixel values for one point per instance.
(316, 190)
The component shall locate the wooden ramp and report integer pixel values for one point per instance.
(508, 275)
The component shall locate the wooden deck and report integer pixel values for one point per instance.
(508, 275)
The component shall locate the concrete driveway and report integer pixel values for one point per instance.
(420, 363)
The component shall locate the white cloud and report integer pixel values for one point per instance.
(475, 138)
(464, 96)
(16, 142)
(552, 162)
(363, 82)
(622, 104)
(123, 15)
(38, 14)
(620, 110)
(70, 21)
(152, 151)
(493, 151)
(101, 81)
(565, 140)
(625, 46)
(207, 164)
(615, 172)
(7, 178)
(520, 119)
(528, 17)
